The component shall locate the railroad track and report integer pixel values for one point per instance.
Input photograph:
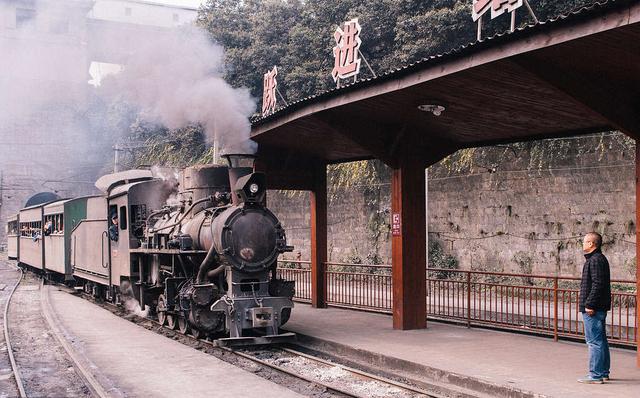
(80, 365)
(82, 371)
(14, 366)
(351, 382)
(336, 378)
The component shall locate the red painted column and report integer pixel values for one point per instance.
(638, 249)
(319, 237)
(408, 245)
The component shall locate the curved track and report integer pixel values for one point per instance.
(14, 365)
(94, 386)
(84, 376)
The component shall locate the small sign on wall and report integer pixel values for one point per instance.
(396, 225)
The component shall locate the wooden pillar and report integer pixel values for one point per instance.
(319, 237)
(638, 250)
(408, 244)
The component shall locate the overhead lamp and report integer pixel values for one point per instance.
(435, 109)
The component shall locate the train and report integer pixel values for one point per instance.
(198, 251)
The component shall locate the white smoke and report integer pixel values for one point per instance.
(129, 301)
(57, 132)
(175, 78)
(170, 177)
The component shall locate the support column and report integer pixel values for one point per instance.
(408, 244)
(638, 249)
(319, 237)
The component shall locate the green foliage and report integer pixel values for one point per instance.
(534, 155)
(297, 36)
(438, 258)
(365, 177)
(149, 144)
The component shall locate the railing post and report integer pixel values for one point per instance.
(468, 299)
(555, 308)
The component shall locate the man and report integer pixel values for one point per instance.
(113, 228)
(595, 301)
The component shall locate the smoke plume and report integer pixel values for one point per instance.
(175, 78)
(57, 132)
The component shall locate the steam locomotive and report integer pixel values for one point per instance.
(199, 251)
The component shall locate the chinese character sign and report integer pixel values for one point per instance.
(396, 225)
(269, 91)
(346, 52)
(497, 7)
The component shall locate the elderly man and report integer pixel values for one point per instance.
(595, 301)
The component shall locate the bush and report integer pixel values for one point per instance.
(439, 259)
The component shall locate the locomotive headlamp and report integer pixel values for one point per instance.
(251, 188)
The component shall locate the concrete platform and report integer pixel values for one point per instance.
(131, 361)
(493, 363)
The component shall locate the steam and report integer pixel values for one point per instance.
(170, 184)
(57, 132)
(175, 79)
(130, 303)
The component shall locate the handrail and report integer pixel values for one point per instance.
(536, 276)
(433, 269)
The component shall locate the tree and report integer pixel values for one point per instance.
(297, 36)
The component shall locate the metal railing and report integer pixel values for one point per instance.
(531, 303)
(300, 272)
(539, 304)
(359, 286)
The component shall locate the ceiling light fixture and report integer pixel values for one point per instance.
(436, 109)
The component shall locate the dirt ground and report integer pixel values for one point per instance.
(44, 365)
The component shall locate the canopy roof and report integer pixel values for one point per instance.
(576, 74)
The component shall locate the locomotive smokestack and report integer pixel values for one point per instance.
(240, 165)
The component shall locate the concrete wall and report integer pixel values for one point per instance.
(358, 229)
(522, 208)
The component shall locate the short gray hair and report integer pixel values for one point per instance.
(596, 238)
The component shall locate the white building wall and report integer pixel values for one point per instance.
(142, 13)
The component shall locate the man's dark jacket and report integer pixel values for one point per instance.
(595, 287)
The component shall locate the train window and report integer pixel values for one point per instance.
(48, 225)
(123, 217)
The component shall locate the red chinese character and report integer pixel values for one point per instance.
(269, 91)
(497, 7)
(346, 52)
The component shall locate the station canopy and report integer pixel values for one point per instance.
(575, 74)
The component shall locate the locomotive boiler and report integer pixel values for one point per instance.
(207, 258)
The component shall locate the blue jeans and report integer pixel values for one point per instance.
(595, 333)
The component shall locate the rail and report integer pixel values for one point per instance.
(536, 304)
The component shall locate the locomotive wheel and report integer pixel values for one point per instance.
(161, 309)
(183, 324)
(171, 321)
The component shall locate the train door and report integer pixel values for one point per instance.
(118, 232)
